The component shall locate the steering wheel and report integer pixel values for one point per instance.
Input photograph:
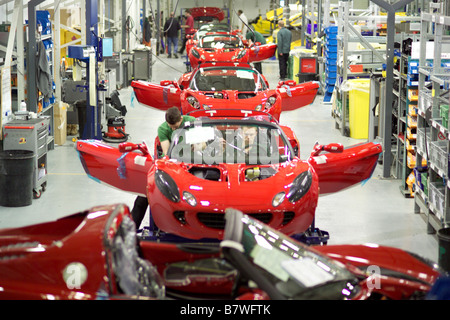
(218, 86)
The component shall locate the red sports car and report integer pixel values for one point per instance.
(225, 86)
(207, 28)
(95, 254)
(224, 46)
(250, 164)
(209, 14)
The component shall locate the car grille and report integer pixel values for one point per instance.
(288, 216)
(217, 220)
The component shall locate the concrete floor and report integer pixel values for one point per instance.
(373, 213)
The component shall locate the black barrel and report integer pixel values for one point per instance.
(444, 248)
(16, 178)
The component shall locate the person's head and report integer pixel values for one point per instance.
(281, 23)
(187, 13)
(240, 12)
(171, 14)
(173, 118)
(250, 133)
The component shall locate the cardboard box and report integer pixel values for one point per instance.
(60, 122)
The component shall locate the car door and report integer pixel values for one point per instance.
(340, 170)
(262, 52)
(294, 96)
(161, 97)
(107, 165)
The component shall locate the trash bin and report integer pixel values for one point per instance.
(444, 248)
(16, 177)
(358, 105)
(80, 105)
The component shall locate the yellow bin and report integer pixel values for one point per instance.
(358, 116)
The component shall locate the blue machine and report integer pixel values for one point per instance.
(91, 128)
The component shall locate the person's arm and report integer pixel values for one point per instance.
(165, 147)
(279, 42)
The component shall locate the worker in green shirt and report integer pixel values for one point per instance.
(255, 37)
(174, 121)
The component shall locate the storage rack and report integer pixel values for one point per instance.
(371, 58)
(432, 197)
(399, 116)
(404, 111)
(330, 61)
(45, 34)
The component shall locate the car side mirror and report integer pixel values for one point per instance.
(165, 83)
(290, 83)
(332, 148)
(128, 147)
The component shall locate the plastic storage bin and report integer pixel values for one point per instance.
(358, 97)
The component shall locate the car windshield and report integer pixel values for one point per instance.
(211, 28)
(227, 78)
(220, 41)
(230, 141)
(296, 271)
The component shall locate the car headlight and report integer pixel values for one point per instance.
(278, 199)
(258, 107)
(167, 186)
(300, 186)
(241, 54)
(195, 53)
(189, 198)
(193, 102)
(271, 101)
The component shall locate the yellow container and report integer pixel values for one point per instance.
(358, 116)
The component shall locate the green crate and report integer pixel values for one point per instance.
(444, 114)
(424, 181)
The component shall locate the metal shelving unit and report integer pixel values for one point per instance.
(432, 196)
(371, 58)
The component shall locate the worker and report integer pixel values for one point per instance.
(171, 28)
(243, 22)
(253, 36)
(284, 38)
(174, 121)
(188, 29)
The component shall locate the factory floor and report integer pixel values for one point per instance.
(375, 212)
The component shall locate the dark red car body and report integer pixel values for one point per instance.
(36, 263)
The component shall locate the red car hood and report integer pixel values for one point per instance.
(232, 101)
(219, 194)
